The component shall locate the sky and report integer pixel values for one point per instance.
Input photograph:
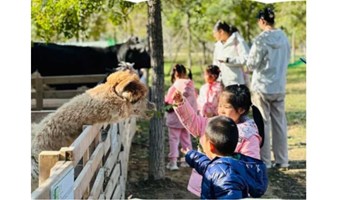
(320, 101)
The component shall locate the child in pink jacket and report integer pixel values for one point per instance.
(177, 132)
(207, 100)
(235, 103)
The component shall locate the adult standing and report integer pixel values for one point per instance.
(268, 59)
(230, 53)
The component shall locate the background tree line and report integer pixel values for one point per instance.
(187, 25)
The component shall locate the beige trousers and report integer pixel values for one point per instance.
(272, 107)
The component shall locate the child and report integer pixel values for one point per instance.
(207, 100)
(234, 102)
(177, 132)
(226, 175)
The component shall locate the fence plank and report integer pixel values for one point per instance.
(39, 92)
(98, 185)
(89, 78)
(112, 158)
(117, 192)
(61, 94)
(113, 181)
(102, 196)
(107, 142)
(83, 180)
(81, 144)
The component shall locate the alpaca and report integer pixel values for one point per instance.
(122, 96)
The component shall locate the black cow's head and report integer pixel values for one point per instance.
(140, 58)
(135, 52)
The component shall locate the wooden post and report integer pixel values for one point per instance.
(85, 159)
(39, 92)
(47, 160)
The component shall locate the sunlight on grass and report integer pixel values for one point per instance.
(295, 105)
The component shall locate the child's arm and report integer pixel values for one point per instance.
(194, 123)
(168, 97)
(196, 160)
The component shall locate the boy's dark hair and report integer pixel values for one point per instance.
(225, 27)
(239, 97)
(181, 70)
(223, 134)
(213, 70)
(267, 14)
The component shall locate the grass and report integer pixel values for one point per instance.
(295, 106)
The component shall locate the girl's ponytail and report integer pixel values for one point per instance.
(259, 122)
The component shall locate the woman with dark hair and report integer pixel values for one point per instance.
(230, 53)
(268, 59)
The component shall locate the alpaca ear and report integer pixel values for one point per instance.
(131, 90)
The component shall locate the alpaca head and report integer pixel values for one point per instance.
(127, 85)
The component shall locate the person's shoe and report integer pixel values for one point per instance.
(281, 167)
(172, 165)
(184, 164)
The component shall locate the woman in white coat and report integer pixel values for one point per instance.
(230, 53)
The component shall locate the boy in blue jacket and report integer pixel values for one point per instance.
(226, 175)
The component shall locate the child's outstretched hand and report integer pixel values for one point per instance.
(178, 97)
(185, 151)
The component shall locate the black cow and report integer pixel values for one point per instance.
(51, 59)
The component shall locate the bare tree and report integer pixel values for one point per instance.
(156, 136)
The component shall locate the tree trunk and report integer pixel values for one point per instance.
(156, 135)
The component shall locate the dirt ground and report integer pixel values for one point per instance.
(290, 184)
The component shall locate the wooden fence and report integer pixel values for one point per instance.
(39, 93)
(93, 167)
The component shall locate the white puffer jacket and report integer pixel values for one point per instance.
(235, 50)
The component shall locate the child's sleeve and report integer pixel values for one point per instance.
(168, 97)
(194, 123)
(197, 160)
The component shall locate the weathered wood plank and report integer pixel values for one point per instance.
(102, 196)
(81, 144)
(89, 78)
(113, 181)
(61, 94)
(98, 185)
(117, 192)
(39, 92)
(112, 158)
(107, 142)
(83, 180)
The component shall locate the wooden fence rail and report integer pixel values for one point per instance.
(94, 166)
(39, 94)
